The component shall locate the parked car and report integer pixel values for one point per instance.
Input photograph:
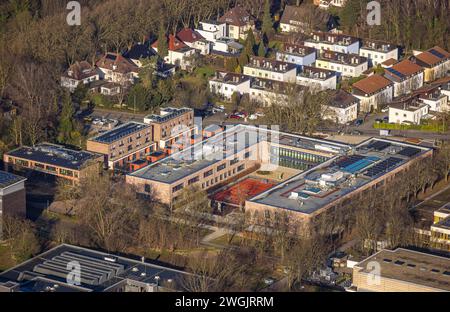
(385, 109)
(358, 122)
(378, 120)
(386, 118)
(235, 116)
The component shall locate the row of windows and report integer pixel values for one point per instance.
(40, 166)
(207, 183)
(283, 152)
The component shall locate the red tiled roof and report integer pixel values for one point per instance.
(407, 68)
(189, 35)
(174, 44)
(431, 59)
(372, 84)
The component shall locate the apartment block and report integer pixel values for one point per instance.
(373, 92)
(317, 78)
(123, 144)
(378, 52)
(225, 84)
(296, 54)
(171, 125)
(322, 41)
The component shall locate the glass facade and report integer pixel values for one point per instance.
(294, 159)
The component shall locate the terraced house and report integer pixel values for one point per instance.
(435, 61)
(406, 77)
(348, 65)
(261, 67)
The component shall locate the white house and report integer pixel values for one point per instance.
(227, 45)
(225, 84)
(178, 52)
(434, 98)
(406, 77)
(373, 92)
(212, 30)
(348, 65)
(378, 51)
(261, 67)
(267, 91)
(294, 19)
(342, 108)
(79, 73)
(408, 111)
(317, 78)
(296, 54)
(333, 42)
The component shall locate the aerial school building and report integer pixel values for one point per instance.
(323, 173)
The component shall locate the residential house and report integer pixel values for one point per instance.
(406, 77)
(408, 110)
(373, 92)
(378, 51)
(140, 52)
(434, 98)
(317, 78)
(116, 68)
(110, 88)
(333, 42)
(79, 73)
(179, 54)
(266, 91)
(342, 107)
(212, 30)
(238, 22)
(270, 69)
(294, 19)
(296, 54)
(444, 85)
(225, 84)
(348, 65)
(194, 40)
(435, 61)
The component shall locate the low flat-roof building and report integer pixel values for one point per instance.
(402, 270)
(408, 111)
(123, 144)
(12, 195)
(98, 272)
(329, 173)
(55, 160)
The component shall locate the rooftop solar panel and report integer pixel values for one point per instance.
(409, 151)
(436, 53)
(120, 132)
(383, 167)
(395, 72)
(379, 145)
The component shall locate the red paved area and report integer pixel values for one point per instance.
(242, 190)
